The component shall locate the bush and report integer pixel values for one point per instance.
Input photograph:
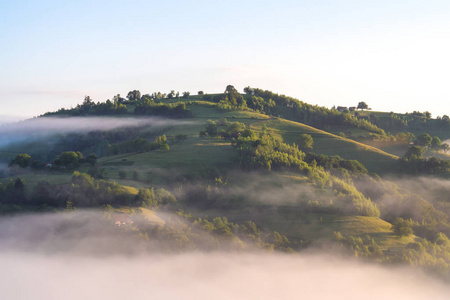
(401, 227)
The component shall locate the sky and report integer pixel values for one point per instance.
(392, 54)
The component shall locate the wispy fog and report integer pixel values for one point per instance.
(5, 119)
(46, 126)
(33, 269)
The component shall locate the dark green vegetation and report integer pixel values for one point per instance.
(232, 170)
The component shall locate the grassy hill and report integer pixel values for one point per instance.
(196, 156)
(307, 204)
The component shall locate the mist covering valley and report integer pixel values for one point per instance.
(55, 261)
(227, 196)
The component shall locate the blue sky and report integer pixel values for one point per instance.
(392, 54)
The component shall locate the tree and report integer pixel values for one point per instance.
(171, 95)
(436, 143)
(362, 105)
(134, 95)
(87, 100)
(22, 160)
(146, 197)
(19, 185)
(135, 175)
(211, 128)
(414, 152)
(248, 90)
(147, 97)
(15, 191)
(201, 93)
(401, 227)
(424, 140)
(230, 89)
(91, 159)
(117, 99)
(68, 159)
(306, 142)
(186, 94)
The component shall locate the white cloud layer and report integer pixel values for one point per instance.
(66, 274)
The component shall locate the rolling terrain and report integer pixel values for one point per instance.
(175, 174)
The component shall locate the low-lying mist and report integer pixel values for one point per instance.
(57, 257)
(46, 126)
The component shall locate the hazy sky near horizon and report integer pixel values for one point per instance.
(393, 54)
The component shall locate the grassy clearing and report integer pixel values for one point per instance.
(32, 179)
(326, 143)
(207, 112)
(191, 156)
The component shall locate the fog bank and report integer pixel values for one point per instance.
(32, 268)
(208, 276)
(46, 126)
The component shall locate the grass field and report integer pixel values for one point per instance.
(196, 155)
(326, 143)
(193, 156)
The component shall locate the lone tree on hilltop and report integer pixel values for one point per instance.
(362, 105)
(230, 89)
(134, 95)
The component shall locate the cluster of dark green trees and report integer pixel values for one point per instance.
(13, 193)
(401, 138)
(414, 162)
(144, 105)
(296, 110)
(150, 108)
(83, 191)
(410, 121)
(139, 144)
(69, 160)
(335, 162)
(89, 107)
